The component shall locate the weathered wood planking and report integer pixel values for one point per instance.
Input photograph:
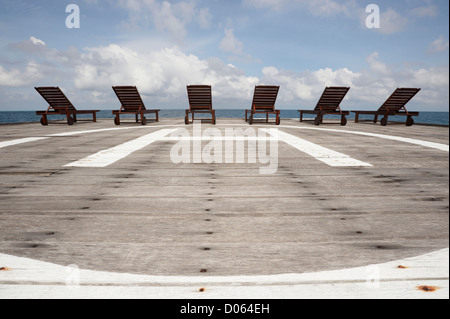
(146, 215)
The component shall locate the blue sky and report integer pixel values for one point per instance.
(162, 46)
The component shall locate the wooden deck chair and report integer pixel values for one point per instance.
(59, 104)
(329, 103)
(394, 105)
(200, 101)
(131, 103)
(264, 99)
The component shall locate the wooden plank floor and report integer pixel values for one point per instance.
(146, 215)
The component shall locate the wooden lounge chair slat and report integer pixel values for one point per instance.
(60, 104)
(329, 103)
(131, 103)
(264, 99)
(394, 105)
(200, 101)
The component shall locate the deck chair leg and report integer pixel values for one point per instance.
(409, 120)
(301, 116)
(44, 120)
(157, 116)
(137, 119)
(319, 119)
(70, 120)
(384, 120)
(375, 119)
(117, 119)
(94, 117)
(356, 117)
(246, 112)
(143, 119)
(267, 117)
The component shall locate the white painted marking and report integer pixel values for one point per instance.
(92, 131)
(438, 146)
(110, 156)
(219, 138)
(28, 278)
(21, 141)
(34, 139)
(323, 154)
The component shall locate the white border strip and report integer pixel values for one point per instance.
(21, 141)
(34, 139)
(94, 131)
(438, 146)
(110, 156)
(400, 279)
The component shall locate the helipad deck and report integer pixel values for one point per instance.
(296, 199)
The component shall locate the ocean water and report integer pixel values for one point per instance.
(437, 118)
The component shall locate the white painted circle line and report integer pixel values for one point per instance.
(430, 266)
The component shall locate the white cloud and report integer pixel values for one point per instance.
(340, 77)
(293, 87)
(429, 11)
(36, 41)
(392, 22)
(377, 66)
(439, 45)
(204, 18)
(32, 45)
(316, 7)
(161, 75)
(19, 78)
(306, 86)
(173, 18)
(370, 87)
(272, 4)
(230, 43)
(167, 17)
(435, 77)
(378, 81)
(331, 7)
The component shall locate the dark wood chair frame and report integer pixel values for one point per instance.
(264, 99)
(59, 104)
(335, 109)
(138, 109)
(399, 98)
(200, 102)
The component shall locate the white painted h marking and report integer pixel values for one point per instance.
(110, 156)
(323, 154)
